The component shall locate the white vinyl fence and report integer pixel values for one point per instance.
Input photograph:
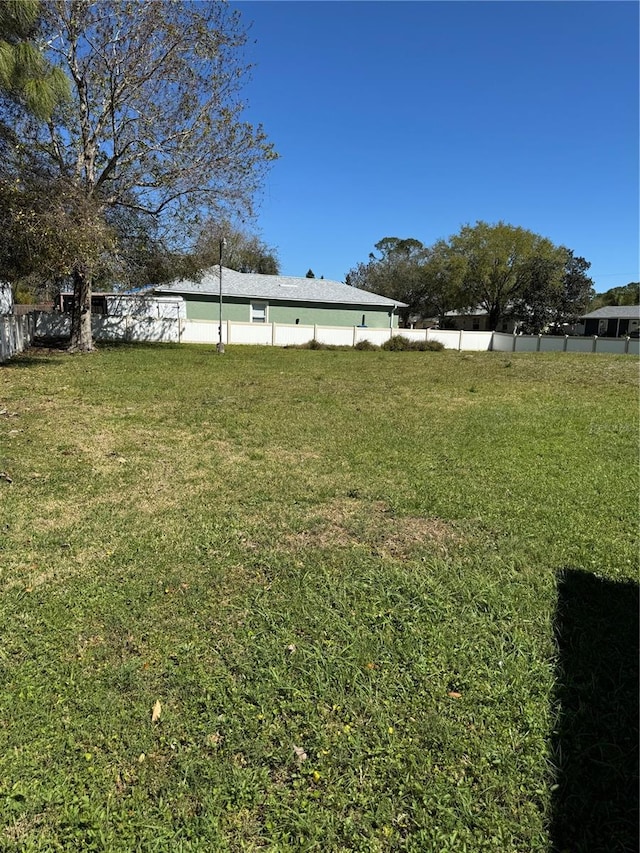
(105, 328)
(180, 330)
(564, 343)
(16, 334)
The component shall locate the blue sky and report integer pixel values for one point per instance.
(410, 119)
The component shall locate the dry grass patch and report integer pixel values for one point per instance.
(345, 522)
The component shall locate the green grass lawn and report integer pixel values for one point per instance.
(352, 580)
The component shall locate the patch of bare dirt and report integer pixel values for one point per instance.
(348, 522)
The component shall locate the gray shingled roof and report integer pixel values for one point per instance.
(278, 287)
(614, 312)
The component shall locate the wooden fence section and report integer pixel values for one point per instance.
(16, 334)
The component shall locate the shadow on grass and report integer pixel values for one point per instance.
(596, 739)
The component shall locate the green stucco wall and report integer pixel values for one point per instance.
(307, 313)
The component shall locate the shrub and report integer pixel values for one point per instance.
(366, 345)
(428, 346)
(399, 343)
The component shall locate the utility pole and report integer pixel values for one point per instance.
(220, 347)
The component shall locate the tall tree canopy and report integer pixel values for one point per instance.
(502, 262)
(395, 272)
(627, 294)
(242, 250)
(153, 127)
(502, 269)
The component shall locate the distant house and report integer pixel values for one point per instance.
(128, 305)
(612, 321)
(256, 298)
(476, 320)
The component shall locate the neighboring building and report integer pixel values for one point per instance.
(129, 305)
(476, 321)
(612, 321)
(256, 298)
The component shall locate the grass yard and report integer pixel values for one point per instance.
(291, 600)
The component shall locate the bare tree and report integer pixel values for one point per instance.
(153, 124)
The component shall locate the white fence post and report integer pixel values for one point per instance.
(4, 340)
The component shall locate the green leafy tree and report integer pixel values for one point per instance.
(25, 74)
(577, 290)
(502, 269)
(153, 125)
(628, 294)
(395, 272)
(442, 274)
(536, 305)
(499, 266)
(243, 251)
(557, 291)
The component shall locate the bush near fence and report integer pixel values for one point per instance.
(277, 334)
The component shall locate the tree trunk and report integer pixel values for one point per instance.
(495, 314)
(81, 337)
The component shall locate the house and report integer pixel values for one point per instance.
(612, 321)
(476, 320)
(138, 305)
(257, 298)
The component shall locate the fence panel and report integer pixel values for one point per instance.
(579, 344)
(289, 335)
(202, 332)
(448, 338)
(16, 334)
(340, 336)
(250, 333)
(526, 343)
(502, 342)
(416, 335)
(5, 339)
(476, 341)
(377, 336)
(552, 343)
(617, 346)
(52, 325)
